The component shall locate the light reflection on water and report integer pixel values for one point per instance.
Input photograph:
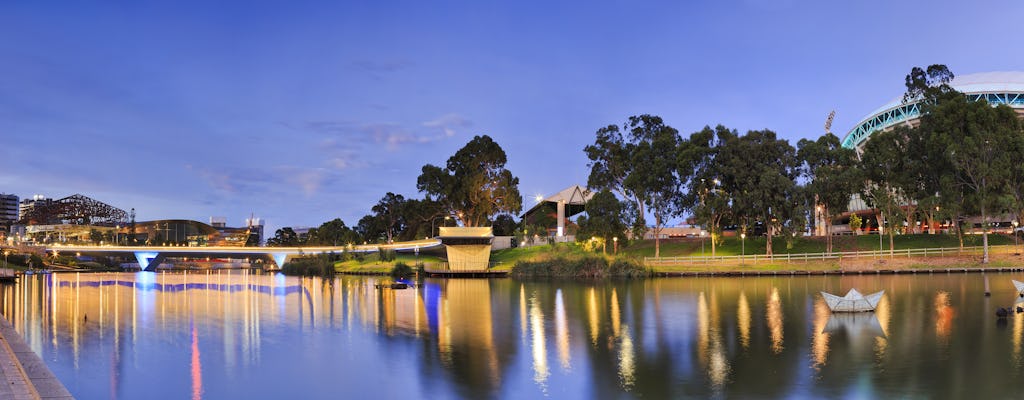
(244, 335)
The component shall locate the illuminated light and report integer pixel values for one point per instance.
(616, 321)
(538, 198)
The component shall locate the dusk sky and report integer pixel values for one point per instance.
(301, 112)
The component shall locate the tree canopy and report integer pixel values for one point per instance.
(474, 185)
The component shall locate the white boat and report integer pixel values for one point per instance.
(1019, 285)
(853, 301)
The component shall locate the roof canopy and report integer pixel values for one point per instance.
(574, 197)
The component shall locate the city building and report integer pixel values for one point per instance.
(8, 213)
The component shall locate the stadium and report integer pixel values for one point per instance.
(994, 87)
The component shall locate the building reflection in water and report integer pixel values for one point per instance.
(197, 367)
(562, 331)
(537, 344)
(774, 318)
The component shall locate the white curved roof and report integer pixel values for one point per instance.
(983, 82)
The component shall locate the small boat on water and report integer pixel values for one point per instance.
(853, 301)
(1019, 285)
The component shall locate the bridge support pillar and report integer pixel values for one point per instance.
(279, 258)
(149, 260)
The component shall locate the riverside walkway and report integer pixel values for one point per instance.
(24, 375)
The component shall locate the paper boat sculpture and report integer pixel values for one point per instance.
(1019, 285)
(853, 301)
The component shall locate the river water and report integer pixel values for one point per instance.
(220, 335)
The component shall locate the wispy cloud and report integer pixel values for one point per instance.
(271, 181)
(377, 69)
(448, 124)
(347, 135)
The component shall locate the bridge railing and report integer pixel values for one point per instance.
(836, 255)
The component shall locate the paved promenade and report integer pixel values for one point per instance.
(23, 375)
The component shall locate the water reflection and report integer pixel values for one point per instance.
(774, 316)
(240, 335)
(743, 320)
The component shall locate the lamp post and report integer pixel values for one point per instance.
(6, 253)
(743, 245)
(702, 243)
(1015, 223)
(432, 221)
(615, 240)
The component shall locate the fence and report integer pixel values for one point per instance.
(802, 257)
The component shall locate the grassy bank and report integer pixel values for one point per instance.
(372, 264)
(588, 266)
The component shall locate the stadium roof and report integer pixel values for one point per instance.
(1004, 87)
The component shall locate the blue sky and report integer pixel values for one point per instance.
(301, 112)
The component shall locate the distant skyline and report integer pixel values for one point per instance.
(302, 112)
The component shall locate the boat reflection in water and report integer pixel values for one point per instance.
(245, 335)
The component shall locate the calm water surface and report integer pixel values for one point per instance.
(224, 335)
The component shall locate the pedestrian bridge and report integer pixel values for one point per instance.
(149, 257)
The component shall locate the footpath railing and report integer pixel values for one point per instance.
(836, 255)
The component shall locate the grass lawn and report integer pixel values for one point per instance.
(797, 245)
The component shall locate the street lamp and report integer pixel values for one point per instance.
(446, 217)
(6, 253)
(1015, 223)
(743, 244)
(702, 243)
(616, 246)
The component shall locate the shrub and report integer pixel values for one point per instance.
(310, 266)
(579, 267)
(402, 270)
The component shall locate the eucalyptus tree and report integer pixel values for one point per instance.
(703, 194)
(832, 177)
(638, 161)
(979, 140)
(474, 185)
(389, 210)
(760, 171)
(883, 164)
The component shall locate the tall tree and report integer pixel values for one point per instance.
(284, 237)
(883, 164)
(640, 165)
(760, 171)
(704, 196)
(832, 177)
(335, 233)
(980, 140)
(475, 184)
(389, 211)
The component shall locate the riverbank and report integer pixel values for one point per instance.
(24, 374)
